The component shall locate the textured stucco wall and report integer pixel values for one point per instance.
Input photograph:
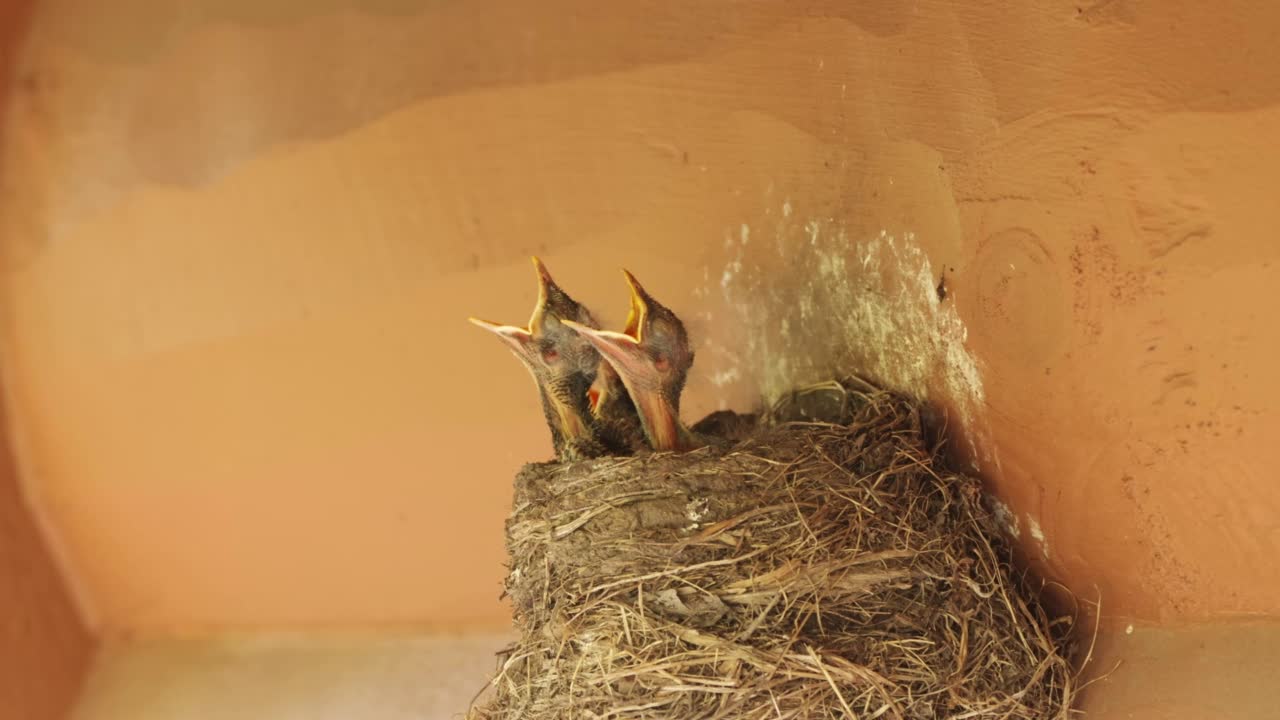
(247, 234)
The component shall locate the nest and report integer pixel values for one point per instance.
(814, 570)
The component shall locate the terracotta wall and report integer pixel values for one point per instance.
(247, 234)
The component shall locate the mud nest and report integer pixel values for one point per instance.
(815, 570)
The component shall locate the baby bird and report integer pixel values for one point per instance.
(652, 358)
(563, 368)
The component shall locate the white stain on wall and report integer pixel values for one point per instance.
(1007, 520)
(1037, 534)
(818, 303)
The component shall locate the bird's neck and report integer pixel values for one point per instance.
(552, 416)
(573, 424)
(565, 404)
(662, 425)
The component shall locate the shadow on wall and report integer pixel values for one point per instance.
(45, 648)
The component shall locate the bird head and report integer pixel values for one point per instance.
(561, 351)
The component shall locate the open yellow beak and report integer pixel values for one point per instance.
(639, 306)
(545, 283)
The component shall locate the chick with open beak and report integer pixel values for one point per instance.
(562, 364)
(652, 357)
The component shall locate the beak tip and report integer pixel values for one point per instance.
(544, 276)
(636, 288)
(507, 332)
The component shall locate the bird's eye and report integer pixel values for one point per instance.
(550, 355)
(660, 363)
